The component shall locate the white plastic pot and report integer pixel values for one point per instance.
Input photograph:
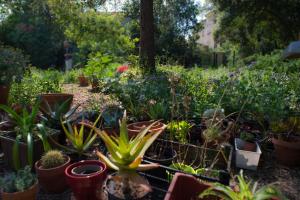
(246, 159)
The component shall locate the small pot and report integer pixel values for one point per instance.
(86, 186)
(28, 194)
(48, 177)
(83, 81)
(55, 99)
(135, 128)
(185, 186)
(287, 152)
(4, 91)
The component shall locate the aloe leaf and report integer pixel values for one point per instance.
(16, 157)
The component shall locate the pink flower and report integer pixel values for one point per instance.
(122, 68)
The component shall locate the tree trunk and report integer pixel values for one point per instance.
(147, 49)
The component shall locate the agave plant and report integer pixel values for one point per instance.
(125, 156)
(245, 191)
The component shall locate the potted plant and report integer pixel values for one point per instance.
(110, 117)
(247, 151)
(86, 178)
(245, 191)
(12, 66)
(135, 128)
(78, 141)
(286, 142)
(54, 99)
(51, 168)
(19, 185)
(184, 187)
(26, 144)
(83, 81)
(125, 156)
(94, 83)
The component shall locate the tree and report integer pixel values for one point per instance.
(175, 21)
(258, 26)
(147, 51)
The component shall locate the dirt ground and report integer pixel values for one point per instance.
(269, 172)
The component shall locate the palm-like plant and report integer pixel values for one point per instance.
(26, 128)
(125, 156)
(245, 191)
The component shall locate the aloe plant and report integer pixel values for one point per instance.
(126, 154)
(26, 128)
(245, 191)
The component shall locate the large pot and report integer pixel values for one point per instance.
(4, 91)
(185, 187)
(7, 143)
(287, 152)
(135, 128)
(48, 177)
(55, 99)
(29, 194)
(86, 178)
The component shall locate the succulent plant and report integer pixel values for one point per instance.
(19, 181)
(52, 158)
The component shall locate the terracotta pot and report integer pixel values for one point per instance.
(249, 146)
(55, 99)
(48, 177)
(4, 91)
(185, 187)
(135, 128)
(287, 152)
(7, 144)
(83, 81)
(86, 186)
(29, 194)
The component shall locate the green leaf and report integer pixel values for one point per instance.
(16, 157)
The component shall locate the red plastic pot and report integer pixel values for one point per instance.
(185, 187)
(87, 186)
(48, 177)
(4, 91)
(135, 128)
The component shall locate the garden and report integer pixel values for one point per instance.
(124, 123)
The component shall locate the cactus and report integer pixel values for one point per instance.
(52, 158)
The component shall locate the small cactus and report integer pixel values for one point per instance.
(52, 158)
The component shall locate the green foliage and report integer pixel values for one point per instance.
(245, 191)
(52, 159)
(18, 182)
(34, 83)
(179, 130)
(27, 130)
(247, 136)
(126, 154)
(158, 110)
(12, 64)
(79, 140)
(111, 116)
(71, 76)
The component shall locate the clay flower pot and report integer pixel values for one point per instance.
(135, 128)
(83, 81)
(86, 178)
(48, 178)
(4, 91)
(55, 99)
(185, 186)
(287, 152)
(30, 193)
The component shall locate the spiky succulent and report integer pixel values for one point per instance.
(126, 154)
(52, 158)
